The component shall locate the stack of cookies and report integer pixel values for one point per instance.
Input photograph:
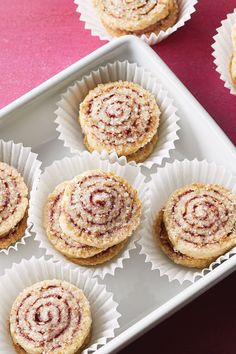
(121, 17)
(197, 225)
(233, 60)
(120, 116)
(90, 218)
(13, 205)
(51, 316)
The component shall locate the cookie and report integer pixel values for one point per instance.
(120, 116)
(15, 234)
(132, 15)
(64, 244)
(13, 198)
(99, 209)
(201, 220)
(51, 316)
(233, 69)
(161, 237)
(233, 59)
(156, 28)
(101, 257)
(139, 156)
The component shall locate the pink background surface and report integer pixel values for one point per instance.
(40, 38)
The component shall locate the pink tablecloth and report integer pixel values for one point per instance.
(40, 38)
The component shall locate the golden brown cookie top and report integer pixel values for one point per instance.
(132, 15)
(120, 116)
(51, 316)
(200, 220)
(100, 209)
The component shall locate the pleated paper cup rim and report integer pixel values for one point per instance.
(223, 50)
(165, 182)
(26, 273)
(66, 169)
(27, 164)
(92, 21)
(68, 108)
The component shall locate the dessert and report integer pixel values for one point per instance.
(233, 59)
(198, 224)
(13, 205)
(162, 239)
(137, 17)
(99, 209)
(51, 316)
(120, 116)
(90, 218)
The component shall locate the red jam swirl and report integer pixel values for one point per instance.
(47, 316)
(202, 218)
(100, 205)
(119, 116)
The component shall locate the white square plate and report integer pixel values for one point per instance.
(144, 297)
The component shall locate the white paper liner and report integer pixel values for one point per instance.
(92, 21)
(165, 182)
(223, 50)
(28, 272)
(68, 108)
(28, 166)
(66, 169)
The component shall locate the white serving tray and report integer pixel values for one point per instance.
(144, 297)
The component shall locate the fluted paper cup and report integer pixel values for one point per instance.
(27, 164)
(68, 108)
(223, 50)
(163, 184)
(65, 170)
(92, 21)
(28, 272)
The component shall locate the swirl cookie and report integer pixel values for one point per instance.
(156, 28)
(75, 251)
(99, 209)
(122, 17)
(51, 316)
(201, 220)
(120, 116)
(233, 59)
(162, 239)
(13, 205)
(233, 69)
